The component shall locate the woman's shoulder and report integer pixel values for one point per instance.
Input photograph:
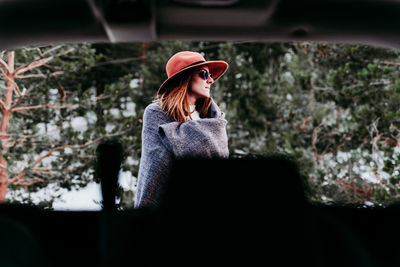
(154, 111)
(155, 106)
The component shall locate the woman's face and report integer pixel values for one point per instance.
(199, 86)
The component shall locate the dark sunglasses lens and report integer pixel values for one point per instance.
(205, 74)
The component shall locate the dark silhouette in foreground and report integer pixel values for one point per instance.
(215, 213)
(109, 160)
(246, 211)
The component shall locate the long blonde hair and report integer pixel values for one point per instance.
(174, 101)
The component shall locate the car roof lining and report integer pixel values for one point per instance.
(32, 22)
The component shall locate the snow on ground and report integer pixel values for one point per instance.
(89, 197)
(83, 199)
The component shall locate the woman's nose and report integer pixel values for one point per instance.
(210, 80)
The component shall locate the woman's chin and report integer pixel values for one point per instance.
(206, 95)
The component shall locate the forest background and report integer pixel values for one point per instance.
(333, 108)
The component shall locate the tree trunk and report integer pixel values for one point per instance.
(5, 122)
(145, 47)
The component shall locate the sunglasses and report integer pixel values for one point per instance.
(205, 74)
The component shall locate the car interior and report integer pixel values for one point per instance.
(238, 223)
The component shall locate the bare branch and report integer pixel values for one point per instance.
(16, 88)
(50, 153)
(16, 178)
(98, 98)
(15, 85)
(4, 65)
(52, 67)
(45, 171)
(311, 97)
(39, 52)
(388, 63)
(56, 73)
(19, 179)
(27, 114)
(3, 105)
(29, 136)
(364, 192)
(30, 76)
(42, 170)
(32, 65)
(32, 182)
(52, 49)
(38, 63)
(314, 145)
(3, 73)
(86, 157)
(23, 93)
(376, 136)
(49, 106)
(305, 125)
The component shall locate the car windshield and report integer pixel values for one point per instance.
(333, 108)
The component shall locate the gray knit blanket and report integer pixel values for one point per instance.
(165, 140)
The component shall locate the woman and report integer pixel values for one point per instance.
(182, 122)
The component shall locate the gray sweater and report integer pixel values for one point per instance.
(165, 140)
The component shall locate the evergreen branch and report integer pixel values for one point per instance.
(118, 61)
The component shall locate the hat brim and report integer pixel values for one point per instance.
(217, 68)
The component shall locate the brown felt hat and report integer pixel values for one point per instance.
(183, 62)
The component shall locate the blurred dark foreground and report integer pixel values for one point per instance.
(215, 212)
